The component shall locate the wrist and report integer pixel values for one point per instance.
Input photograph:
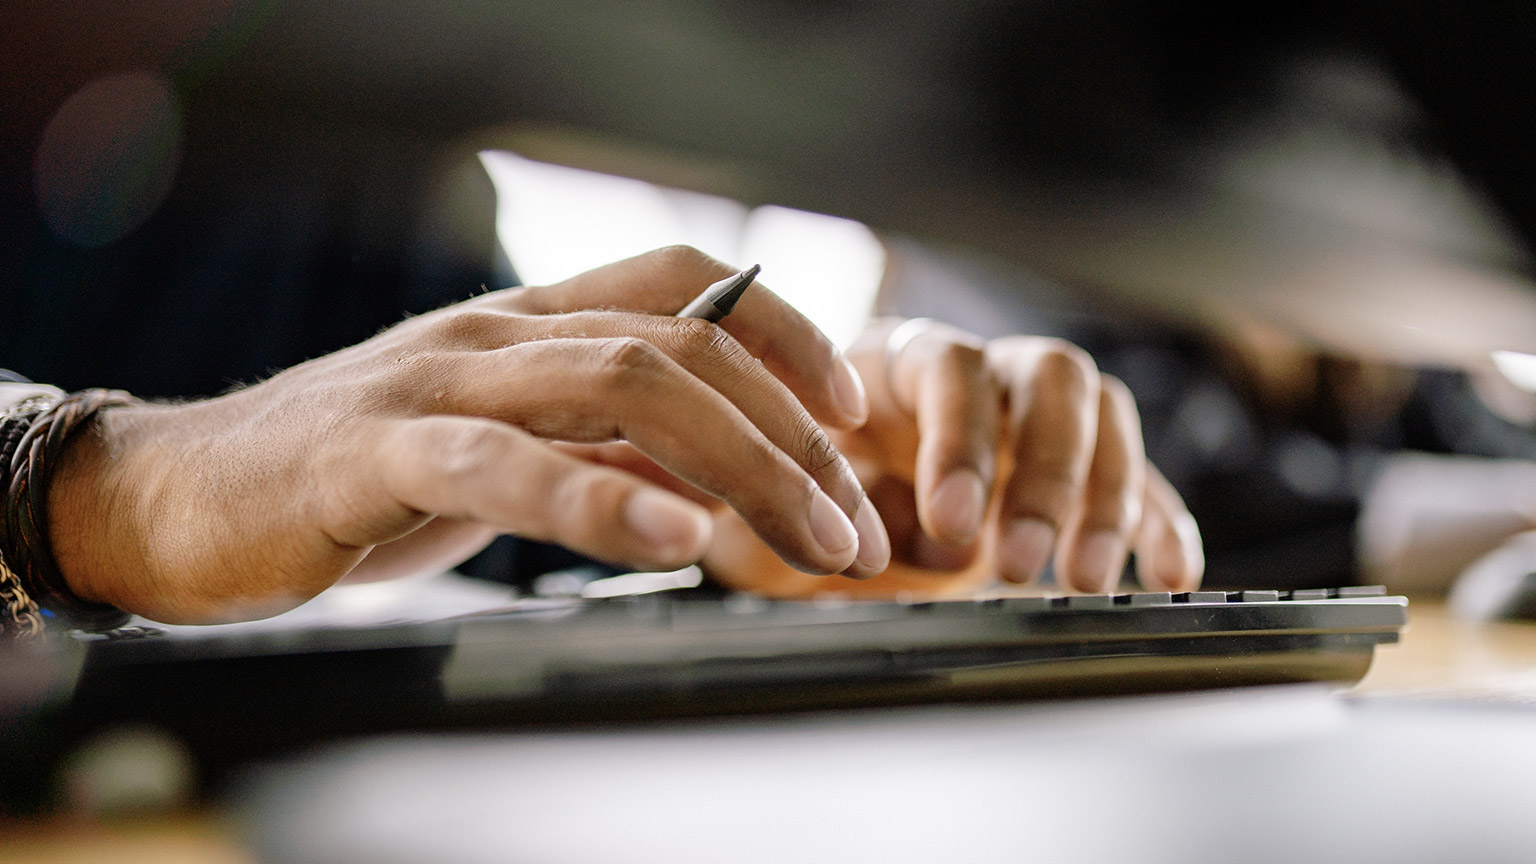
(98, 528)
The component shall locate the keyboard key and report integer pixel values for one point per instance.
(1309, 594)
(1026, 604)
(1205, 597)
(1258, 596)
(1363, 591)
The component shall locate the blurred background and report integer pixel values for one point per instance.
(1300, 233)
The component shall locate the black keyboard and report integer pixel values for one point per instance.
(240, 694)
(747, 654)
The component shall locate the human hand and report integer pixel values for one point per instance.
(988, 458)
(438, 432)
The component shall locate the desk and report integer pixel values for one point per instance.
(1439, 658)
(1442, 657)
(190, 838)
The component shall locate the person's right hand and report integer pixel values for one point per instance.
(437, 433)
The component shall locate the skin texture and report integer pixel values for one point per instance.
(584, 414)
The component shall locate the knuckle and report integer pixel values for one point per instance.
(415, 365)
(695, 337)
(820, 458)
(1114, 500)
(1068, 366)
(1046, 488)
(1119, 512)
(1186, 531)
(1053, 488)
(683, 259)
(967, 360)
(708, 346)
(471, 328)
(624, 361)
(403, 380)
(578, 497)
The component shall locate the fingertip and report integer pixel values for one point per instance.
(1176, 579)
(848, 390)
(957, 506)
(1173, 557)
(1024, 549)
(674, 530)
(1164, 564)
(833, 531)
(874, 543)
(1096, 562)
(1158, 571)
(1172, 538)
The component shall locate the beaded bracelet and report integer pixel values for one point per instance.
(32, 435)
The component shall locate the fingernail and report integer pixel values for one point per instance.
(1024, 549)
(1100, 559)
(849, 389)
(830, 525)
(674, 529)
(957, 505)
(874, 544)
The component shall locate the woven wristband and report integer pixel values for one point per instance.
(20, 617)
(24, 528)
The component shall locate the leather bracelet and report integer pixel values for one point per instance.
(20, 617)
(24, 528)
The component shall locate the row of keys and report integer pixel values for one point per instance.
(1143, 599)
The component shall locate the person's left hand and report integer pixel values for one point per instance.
(986, 460)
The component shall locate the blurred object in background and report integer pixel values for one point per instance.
(128, 770)
(1428, 518)
(555, 222)
(1501, 584)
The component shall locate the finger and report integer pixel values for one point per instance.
(624, 456)
(717, 359)
(1053, 407)
(439, 545)
(1169, 556)
(664, 281)
(594, 390)
(488, 472)
(720, 361)
(910, 544)
(942, 374)
(1094, 545)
